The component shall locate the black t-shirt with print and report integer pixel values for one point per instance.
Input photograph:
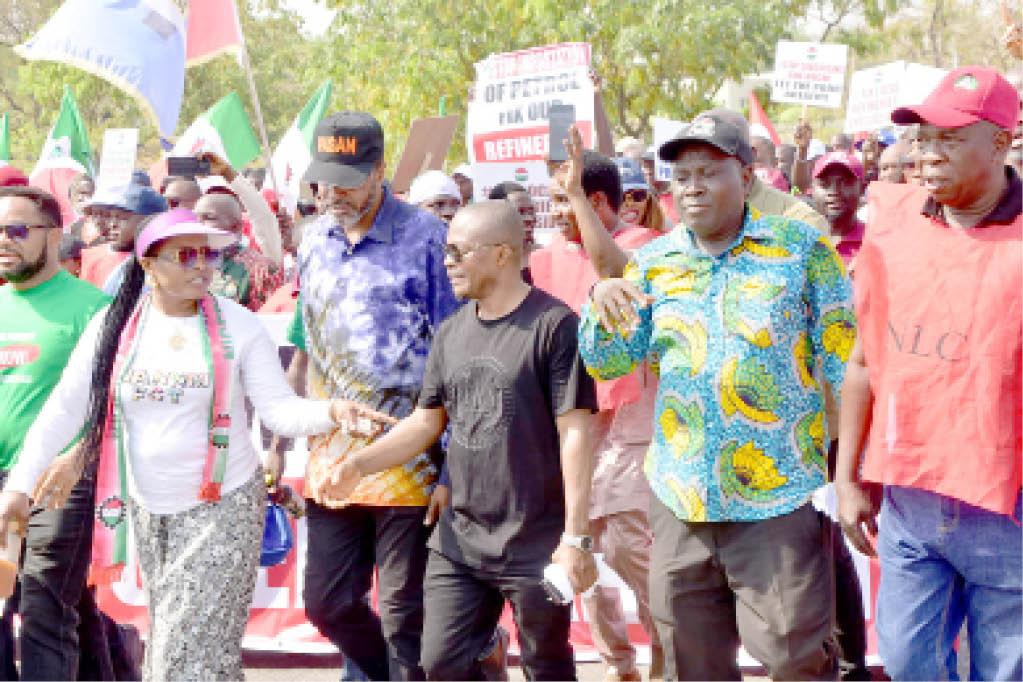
(502, 383)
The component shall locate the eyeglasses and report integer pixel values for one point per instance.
(188, 257)
(457, 253)
(636, 196)
(17, 232)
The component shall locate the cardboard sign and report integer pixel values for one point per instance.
(809, 73)
(117, 161)
(664, 130)
(507, 130)
(429, 140)
(875, 92)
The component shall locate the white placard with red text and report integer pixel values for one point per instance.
(506, 127)
(809, 73)
(875, 92)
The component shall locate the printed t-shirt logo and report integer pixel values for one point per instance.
(483, 402)
(329, 144)
(18, 354)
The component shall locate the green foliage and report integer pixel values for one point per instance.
(653, 57)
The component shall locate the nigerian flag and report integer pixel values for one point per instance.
(223, 129)
(68, 142)
(5, 139)
(294, 151)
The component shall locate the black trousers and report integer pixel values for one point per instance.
(344, 545)
(63, 635)
(463, 606)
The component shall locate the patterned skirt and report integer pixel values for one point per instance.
(198, 572)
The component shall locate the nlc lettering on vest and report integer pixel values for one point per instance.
(946, 345)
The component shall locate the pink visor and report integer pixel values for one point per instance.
(176, 223)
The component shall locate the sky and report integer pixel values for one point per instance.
(315, 14)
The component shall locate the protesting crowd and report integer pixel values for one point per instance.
(654, 395)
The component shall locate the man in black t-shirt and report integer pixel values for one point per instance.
(504, 371)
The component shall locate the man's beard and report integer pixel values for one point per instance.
(27, 270)
(348, 220)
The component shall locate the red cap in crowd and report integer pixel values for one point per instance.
(9, 175)
(842, 158)
(965, 96)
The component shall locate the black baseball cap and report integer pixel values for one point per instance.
(347, 146)
(709, 129)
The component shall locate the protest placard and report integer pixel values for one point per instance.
(875, 92)
(809, 73)
(426, 147)
(664, 130)
(506, 129)
(117, 161)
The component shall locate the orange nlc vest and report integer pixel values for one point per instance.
(939, 311)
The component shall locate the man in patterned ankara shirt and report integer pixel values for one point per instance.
(374, 292)
(734, 308)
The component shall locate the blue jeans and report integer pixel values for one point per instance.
(943, 560)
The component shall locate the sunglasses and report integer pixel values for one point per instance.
(188, 257)
(17, 232)
(636, 196)
(457, 253)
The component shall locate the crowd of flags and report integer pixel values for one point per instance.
(144, 49)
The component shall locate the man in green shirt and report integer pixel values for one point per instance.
(43, 311)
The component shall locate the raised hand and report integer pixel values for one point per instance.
(617, 303)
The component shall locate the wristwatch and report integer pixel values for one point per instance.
(583, 542)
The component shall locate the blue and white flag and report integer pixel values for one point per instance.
(137, 45)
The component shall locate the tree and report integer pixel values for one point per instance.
(654, 57)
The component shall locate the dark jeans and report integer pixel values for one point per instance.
(62, 633)
(766, 583)
(344, 545)
(463, 606)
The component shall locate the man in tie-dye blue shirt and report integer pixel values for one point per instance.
(373, 293)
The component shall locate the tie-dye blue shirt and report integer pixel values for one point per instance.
(367, 316)
(739, 431)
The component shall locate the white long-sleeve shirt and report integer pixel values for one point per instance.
(266, 231)
(166, 401)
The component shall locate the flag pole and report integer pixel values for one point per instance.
(259, 117)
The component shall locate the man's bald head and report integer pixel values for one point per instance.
(489, 222)
(221, 211)
(889, 164)
(181, 192)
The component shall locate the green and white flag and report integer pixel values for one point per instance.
(68, 143)
(5, 138)
(294, 151)
(223, 129)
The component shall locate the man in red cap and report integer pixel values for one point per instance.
(934, 380)
(837, 185)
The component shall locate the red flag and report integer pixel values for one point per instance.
(758, 117)
(213, 30)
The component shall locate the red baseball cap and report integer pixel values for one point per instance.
(9, 175)
(965, 96)
(839, 157)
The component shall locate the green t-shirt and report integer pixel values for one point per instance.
(39, 328)
(296, 330)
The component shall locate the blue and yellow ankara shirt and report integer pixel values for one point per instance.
(739, 432)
